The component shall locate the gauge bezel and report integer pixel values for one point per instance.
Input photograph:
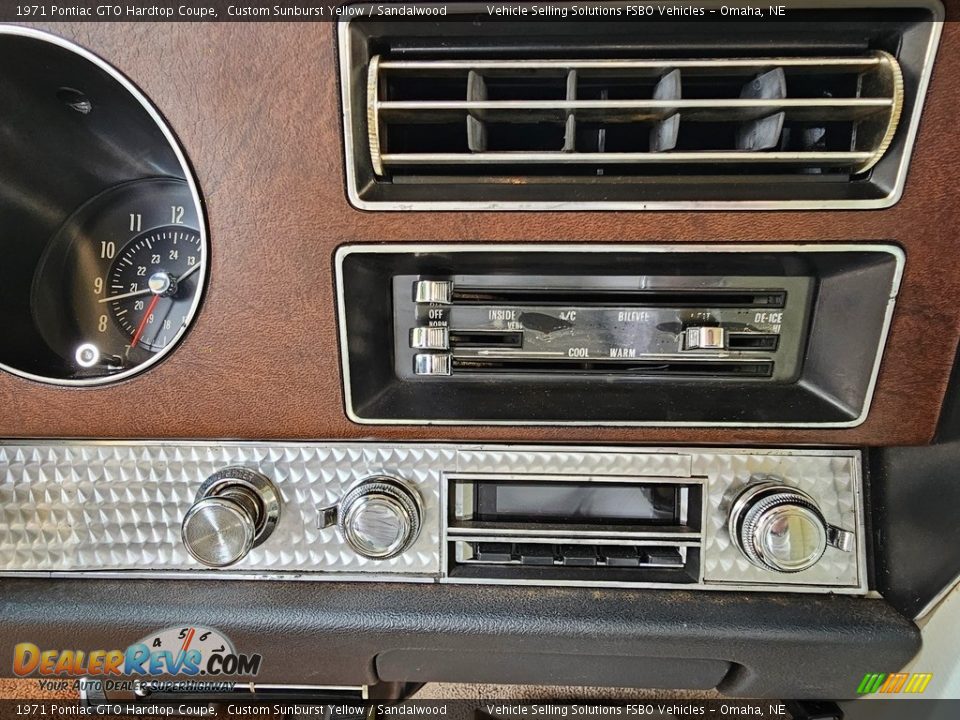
(175, 147)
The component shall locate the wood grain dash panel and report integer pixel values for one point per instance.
(257, 108)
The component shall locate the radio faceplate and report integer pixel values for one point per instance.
(735, 335)
(617, 516)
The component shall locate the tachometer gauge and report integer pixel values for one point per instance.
(121, 280)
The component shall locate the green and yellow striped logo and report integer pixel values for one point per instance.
(894, 683)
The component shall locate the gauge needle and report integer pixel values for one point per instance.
(147, 290)
(143, 323)
(189, 272)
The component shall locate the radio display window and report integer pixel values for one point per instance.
(582, 503)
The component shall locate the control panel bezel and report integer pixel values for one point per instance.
(853, 296)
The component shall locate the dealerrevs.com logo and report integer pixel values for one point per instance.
(191, 651)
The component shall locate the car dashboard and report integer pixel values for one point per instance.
(520, 345)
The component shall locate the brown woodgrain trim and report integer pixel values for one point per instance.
(256, 107)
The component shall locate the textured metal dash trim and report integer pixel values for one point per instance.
(113, 509)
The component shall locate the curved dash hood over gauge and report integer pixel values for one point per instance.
(102, 225)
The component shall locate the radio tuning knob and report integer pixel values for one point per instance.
(235, 510)
(781, 528)
(379, 518)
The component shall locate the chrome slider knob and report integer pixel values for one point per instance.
(380, 517)
(235, 510)
(780, 528)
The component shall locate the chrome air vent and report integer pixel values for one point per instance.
(818, 114)
(816, 110)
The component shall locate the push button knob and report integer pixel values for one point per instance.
(379, 518)
(781, 528)
(235, 510)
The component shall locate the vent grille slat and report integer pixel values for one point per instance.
(827, 109)
(565, 112)
(654, 68)
(824, 159)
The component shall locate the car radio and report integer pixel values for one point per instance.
(580, 527)
(620, 335)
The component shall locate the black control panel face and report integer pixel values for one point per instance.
(632, 326)
(768, 335)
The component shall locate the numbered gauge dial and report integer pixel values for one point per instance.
(152, 283)
(120, 282)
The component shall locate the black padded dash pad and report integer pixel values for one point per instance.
(750, 644)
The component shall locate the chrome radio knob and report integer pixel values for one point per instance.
(380, 517)
(781, 528)
(235, 510)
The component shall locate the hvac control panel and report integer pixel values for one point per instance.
(733, 335)
(627, 326)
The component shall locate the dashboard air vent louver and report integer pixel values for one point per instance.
(816, 110)
(798, 115)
